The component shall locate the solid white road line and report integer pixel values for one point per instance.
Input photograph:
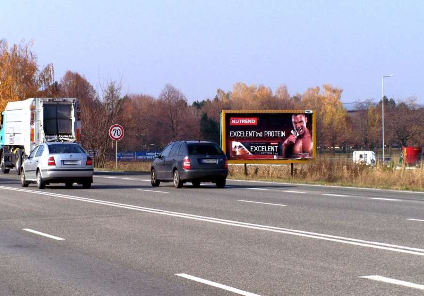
(217, 285)
(263, 203)
(292, 191)
(44, 234)
(156, 191)
(383, 279)
(387, 199)
(300, 233)
(419, 220)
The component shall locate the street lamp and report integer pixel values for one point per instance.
(382, 110)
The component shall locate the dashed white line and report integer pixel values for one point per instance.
(292, 191)
(419, 220)
(338, 195)
(383, 279)
(44, 234)
(263, 203)
(155, 191)
(216, 285)
(386, 199)
(258, 189)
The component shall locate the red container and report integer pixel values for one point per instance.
(411, 155)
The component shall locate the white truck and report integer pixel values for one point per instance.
(25, 124)
(364, 157)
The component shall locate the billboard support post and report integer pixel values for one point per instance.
(292, 169)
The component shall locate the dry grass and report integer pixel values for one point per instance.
(323, 171)
(336, 172)
(128, 166)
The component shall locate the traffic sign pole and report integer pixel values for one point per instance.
(116, 132)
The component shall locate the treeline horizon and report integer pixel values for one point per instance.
(152, 122)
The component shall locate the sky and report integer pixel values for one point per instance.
(200, 46)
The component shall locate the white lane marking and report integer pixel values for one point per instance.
(383, 279)
(338, 195)
(216, 285)
(130, 179)
(387, 199)
(419, 220)
(111, 177)
(44, 234)
(330, 186)
(156, 191)
(257, 189)
(292, 191)
(145, 180)
(300, 233)
(263, 203)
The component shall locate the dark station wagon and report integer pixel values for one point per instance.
(190, 161)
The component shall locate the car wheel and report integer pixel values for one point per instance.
(2, 165)
(221, 183)
(154, 178)
(18, 162)
(69, 184)
(86, 185)
(177, 181)
(40, 181)
(24, 182)
(196, 184)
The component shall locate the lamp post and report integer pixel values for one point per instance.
(382, 112)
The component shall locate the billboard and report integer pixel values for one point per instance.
(268, 136)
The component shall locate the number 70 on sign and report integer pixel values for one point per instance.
(116, 132)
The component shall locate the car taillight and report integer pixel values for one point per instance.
(89, 161)
(226, 164)
(186, 163)
(51, 161)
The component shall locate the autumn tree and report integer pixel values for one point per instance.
(366, 125)
(178, 119)
(104, 112)
(404, 123)
(20, 75)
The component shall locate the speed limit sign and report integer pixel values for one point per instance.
(116, 132)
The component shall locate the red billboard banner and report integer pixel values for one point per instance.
(243, 121)
(268, 136)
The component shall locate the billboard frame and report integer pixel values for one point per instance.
(223, 130)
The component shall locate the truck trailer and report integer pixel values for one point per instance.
(26, 124)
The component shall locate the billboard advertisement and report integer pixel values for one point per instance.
(268, 136)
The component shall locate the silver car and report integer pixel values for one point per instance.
(57, 163)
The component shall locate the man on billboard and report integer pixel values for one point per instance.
(299, 144)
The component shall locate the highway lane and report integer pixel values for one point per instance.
(120, 238)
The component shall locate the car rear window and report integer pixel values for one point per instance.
(204, 149)
(65, 148)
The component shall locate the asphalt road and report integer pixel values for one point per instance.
(124, 237)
